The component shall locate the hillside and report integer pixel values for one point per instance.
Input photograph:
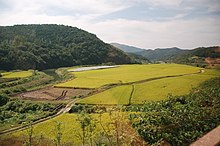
(165, 54)
(53, 46)
(153, 55)
(202, 56)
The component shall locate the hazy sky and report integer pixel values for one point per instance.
(141, 23)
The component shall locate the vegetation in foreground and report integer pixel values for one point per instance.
(111, 128)
(16, 112)
(181, 119)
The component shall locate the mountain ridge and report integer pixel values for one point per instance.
(201, 56)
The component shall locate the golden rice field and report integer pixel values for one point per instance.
(125, 74)
(154, 90)
(71, 128)
(117, 95)
(17, 74)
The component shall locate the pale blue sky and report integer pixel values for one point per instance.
(141, 23)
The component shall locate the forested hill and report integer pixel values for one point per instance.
(201, 56)
(51, 46)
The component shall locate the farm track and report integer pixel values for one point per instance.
(63, 110)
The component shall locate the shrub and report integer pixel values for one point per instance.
(179, 120)
(3, 99)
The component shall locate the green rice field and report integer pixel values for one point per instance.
(70, 127)
(117, 95)
(154, 90)
(125, 74)
(17, 74)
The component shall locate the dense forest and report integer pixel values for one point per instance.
(52, 46)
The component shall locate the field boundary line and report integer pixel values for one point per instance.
(132, 92)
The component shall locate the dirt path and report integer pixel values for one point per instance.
(63, 110)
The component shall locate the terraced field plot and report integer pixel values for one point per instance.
(159, 89)
(117, 95)
(125, 74)
(19, 74)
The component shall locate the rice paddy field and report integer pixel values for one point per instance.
(117, 95)
(17, 74)
(154, 90)
(71, 128)
(126, 74)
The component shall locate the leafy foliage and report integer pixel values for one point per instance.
(179, 120)
(16, 112)
(53, 46)
(3, 99)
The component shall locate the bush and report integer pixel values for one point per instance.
(179, 120)
(3, 99)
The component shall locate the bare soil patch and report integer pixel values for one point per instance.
(212, 62)
(53, 93)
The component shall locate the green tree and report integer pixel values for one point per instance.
(3, 99)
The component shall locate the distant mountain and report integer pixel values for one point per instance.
(126, 48)
(202, 56)
(165, 54)
(153, 55)
(138, 58)
(52, 46)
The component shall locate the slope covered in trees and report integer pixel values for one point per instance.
(198, 55)
(52, 46)
(201, 56)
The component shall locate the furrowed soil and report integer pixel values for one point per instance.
(53, 93)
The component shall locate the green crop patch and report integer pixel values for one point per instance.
(117, 95)
(160, 89)
(126, 74)
(17, 74)
(86, 83)
(71, 127)
(154, 90)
